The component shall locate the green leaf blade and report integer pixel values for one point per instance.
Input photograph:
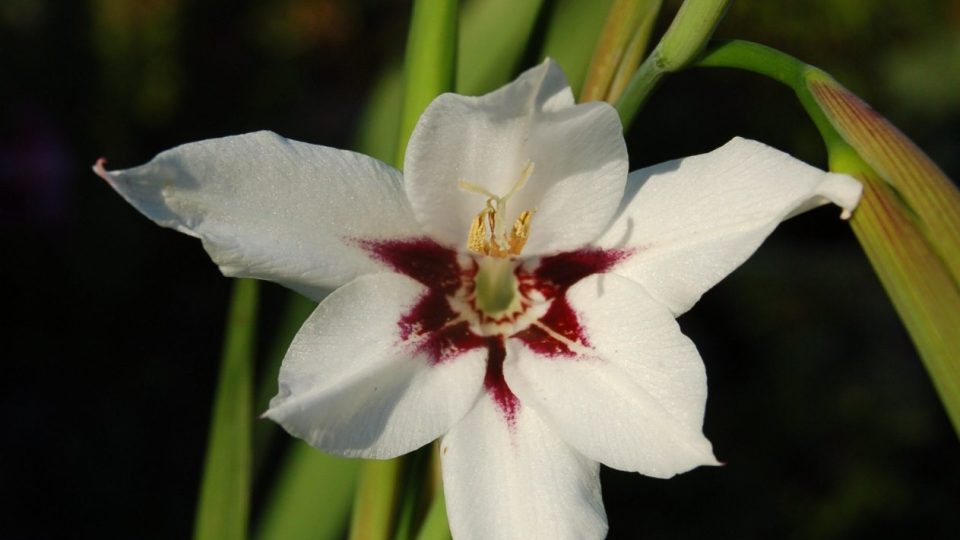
(493, 36)
(572, 33)
(311, 498)
(224, 503)
(430, 64)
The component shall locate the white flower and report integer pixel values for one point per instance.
(513, 292)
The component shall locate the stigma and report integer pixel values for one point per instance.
(487, 234)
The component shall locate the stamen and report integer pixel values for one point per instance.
(476, 238)
(518, 185)
(520, 232)
(499, 244)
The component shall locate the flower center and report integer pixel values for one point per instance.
(496, 290)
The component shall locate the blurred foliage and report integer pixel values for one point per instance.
(827, 422)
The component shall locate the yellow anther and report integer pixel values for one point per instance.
(495, 242)
(477, 237)
(520, 232)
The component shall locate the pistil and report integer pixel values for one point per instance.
(496, 287)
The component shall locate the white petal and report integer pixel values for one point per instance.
(272, 208)
(633, 398)
(350, 386)
(517, 481)
(693, 221)
(578, 152)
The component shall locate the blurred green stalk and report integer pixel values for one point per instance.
(906, 221)
(682, 43)
(636, 49)
(311, 498)
(622, 41)
(572, 31)
(491, 40)
(435, 526)
(430, 64)
(295, 312)
(376, 500)
(224, 503)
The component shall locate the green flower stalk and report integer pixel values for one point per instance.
(620, 48)
(680, 46)
(224, 503)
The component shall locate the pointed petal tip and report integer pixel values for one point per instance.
(707, 457)
(700, 455)
(843, 191)
(100, 170)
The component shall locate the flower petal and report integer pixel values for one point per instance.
(517, 480)
(693, 221)
(349, 386)
(578, 152)
(272, 208)
(633, 398)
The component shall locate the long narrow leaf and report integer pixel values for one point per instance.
(571, 35)
(429, 67)
(493, 35)
(414, 490)
(635, 51)
(380, 124)
(223, 508)
(375, 501)
(311, 498)
(297, 309)
(435, 525)
(623, 19)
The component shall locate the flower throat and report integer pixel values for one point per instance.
(496, 285)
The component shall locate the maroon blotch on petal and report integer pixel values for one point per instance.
(419, 258)
(495, 384)
(559, 272)
(539, 341)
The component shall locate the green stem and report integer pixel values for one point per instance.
(778, 66)
(376, 498)
(435, 525)
(414, 490)
(634, 52)
(687, 35)
(224, 503)
(311, 496)
(295, 312)
(622, 21)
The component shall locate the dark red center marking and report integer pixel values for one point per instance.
(430, 323)
(553, 277)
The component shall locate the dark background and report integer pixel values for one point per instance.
(112, 326)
